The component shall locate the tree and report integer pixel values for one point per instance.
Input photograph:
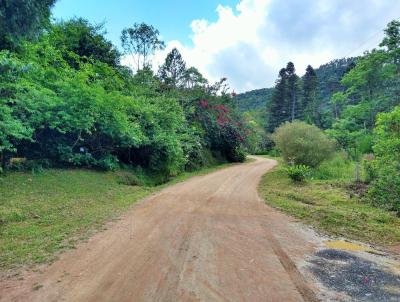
(392, 42)
(193, 78)
(85, 40)
(141, 40)
(278, 108)
(22, 19)
(172, 72)
(310, 97)
(292, 80)
(392, 36)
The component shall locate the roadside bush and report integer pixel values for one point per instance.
(298, 173)
(108, 163)
(368, 164)
(385, 189)
(238, 155)
(224, 131)
(385, 168)
(303, 144)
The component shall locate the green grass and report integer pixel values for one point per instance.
(41, 214)
(326, 205)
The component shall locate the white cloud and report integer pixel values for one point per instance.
(248, 44)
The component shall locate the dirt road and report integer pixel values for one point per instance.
(207, 239)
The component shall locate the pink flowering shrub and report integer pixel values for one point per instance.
(224, 130)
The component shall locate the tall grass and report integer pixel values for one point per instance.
(339, 167)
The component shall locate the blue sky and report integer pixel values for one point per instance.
(172, 17)
(247, 41)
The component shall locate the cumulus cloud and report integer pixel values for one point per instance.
(249, 43)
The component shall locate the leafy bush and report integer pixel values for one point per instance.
(224, 131)
(385, 189)
(303, 144)
(239, 155)
(298, 172)
(108, 163)
(385, 168)
(369, 169)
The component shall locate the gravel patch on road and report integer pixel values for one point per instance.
(356, 275)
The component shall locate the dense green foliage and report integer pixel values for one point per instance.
(303, 144)
(79, 37)
(385, 187)
(65, 100)
(22, 19)
(254, 100)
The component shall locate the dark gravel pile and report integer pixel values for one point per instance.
(359, 278)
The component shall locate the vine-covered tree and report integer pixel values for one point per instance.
(22, 19)
(84, 39)
(141, 41)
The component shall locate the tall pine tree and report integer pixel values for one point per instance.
(286, 103)
(172, 73)
(293, 87)
(278, 107)
(311, 97)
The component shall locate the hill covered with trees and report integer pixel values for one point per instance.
(328, 82)
(253, 100)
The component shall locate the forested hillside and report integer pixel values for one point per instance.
(254, 100)
(328, 82)
(66, 100)
(329, 76)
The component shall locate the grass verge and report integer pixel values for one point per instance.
(326, 205)
(42, 214)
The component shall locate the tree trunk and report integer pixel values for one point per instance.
(293, 105)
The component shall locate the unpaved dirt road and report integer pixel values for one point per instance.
(207, 239)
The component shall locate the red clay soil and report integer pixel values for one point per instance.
(207, 239)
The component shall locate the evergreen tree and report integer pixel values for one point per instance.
(311, 97)
(172, 73)
(293, 81)
(278, 109)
